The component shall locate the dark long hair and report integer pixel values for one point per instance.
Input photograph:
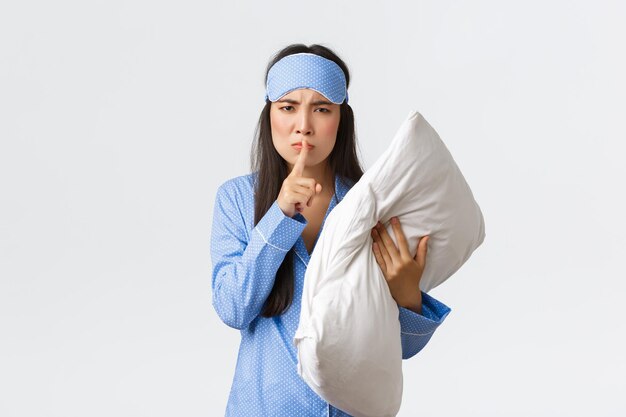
(272, 169)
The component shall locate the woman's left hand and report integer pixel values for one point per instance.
(402, 271)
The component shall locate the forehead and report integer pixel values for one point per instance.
(305, 94)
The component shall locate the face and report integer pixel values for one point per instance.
(307, 114)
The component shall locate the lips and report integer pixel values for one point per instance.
(298, 145)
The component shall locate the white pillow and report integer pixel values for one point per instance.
(348, 338)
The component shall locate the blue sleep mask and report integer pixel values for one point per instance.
(306, 70)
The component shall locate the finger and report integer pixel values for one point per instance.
(305, 182)
(298, 167)
(295, 197)
(318, 189)
(399, 234)
(379, 257)
(383, 248)
(422, 251)
(309, 183)
(303, 189)
(307, 192)
(389, 245)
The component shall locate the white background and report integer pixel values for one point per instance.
(119, 119)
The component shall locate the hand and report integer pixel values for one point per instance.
(297, 190)
(402, 271)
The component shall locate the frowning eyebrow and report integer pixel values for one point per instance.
(315, 103)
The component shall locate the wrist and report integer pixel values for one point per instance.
(414, 305)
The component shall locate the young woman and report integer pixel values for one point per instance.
(266, 223)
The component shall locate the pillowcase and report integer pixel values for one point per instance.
(348, 337)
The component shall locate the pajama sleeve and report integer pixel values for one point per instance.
(417, 329)
(244, 269)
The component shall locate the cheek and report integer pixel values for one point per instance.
(280, 137)
(330, 131)
(331, 128)
(278, 124)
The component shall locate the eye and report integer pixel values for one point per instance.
(325, 110)
(284, 107)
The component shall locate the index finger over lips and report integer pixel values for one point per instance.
(298, 167)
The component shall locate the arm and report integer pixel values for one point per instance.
(403, 275)
(417, 329)
(244, 271)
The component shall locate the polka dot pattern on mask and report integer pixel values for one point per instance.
(306, 70)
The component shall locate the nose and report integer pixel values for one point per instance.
(304, 124)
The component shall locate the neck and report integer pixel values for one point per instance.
(321, 173)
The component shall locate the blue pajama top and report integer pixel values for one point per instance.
(245, 261)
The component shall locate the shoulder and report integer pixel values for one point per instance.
(235, 196)
(241, 185)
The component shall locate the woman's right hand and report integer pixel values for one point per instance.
(298, 191)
